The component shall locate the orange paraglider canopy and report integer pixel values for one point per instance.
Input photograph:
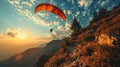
(50, 8)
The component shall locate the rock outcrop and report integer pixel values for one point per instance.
(105, 39)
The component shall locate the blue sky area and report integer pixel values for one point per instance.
(13, 14)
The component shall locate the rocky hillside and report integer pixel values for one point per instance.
(97, 45)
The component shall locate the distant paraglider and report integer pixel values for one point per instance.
(51, 8)
(51, 30)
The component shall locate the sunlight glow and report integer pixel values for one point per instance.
(21, 36)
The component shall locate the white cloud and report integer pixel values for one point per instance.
(56, 23)
(73, 2)
(27, 4)
(14, 2)
(97, 10)
(67, 26)
(28, 13)
(34, 18)
(84, 13)
(43, 39)
(62, 4)
(77, 13)
(32, 1)
(85, 3)
(111, 7)
(69, 12)
(15, 33)
(12, 32)
(43, 14)
(90, 18)
(60, 27)
(61, 32)
(51, 1)
(68, 0)
(81, 2)
(104, 2)
(64, 11)
(99, 1)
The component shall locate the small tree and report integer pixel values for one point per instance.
(100, 15)
(96, 16)
(75, 27)
(103, 13)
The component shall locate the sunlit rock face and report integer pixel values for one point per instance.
(105, 39)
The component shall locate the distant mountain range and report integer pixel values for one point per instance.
(30, 57)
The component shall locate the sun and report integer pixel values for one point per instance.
(21, 36)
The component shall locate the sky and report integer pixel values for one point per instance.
(21, 28)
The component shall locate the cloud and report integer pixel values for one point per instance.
(67, 26)
(27, 4)
(34, 18)
(68, 0)
(32, 1)
(85, 3)
(25, 11)
(104, 2)
(73, 1)
(43, 39)
(43, 14)
(91, 17)
(15, 33)
(81, 2)
(62, 4)
(56, 23)
(64, 11)
(99, 1)
(51, 1)
(69, 12)
(61, 32)
(16, 2)
(84, 13)
(97, 10)
(12, 32)
(111, 7)
(77, 13)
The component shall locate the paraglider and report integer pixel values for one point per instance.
(51, 30)
(51, 8)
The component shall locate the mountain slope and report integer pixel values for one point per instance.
(98, 45)
(29, 57)
(48, 51)
(26, 59)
